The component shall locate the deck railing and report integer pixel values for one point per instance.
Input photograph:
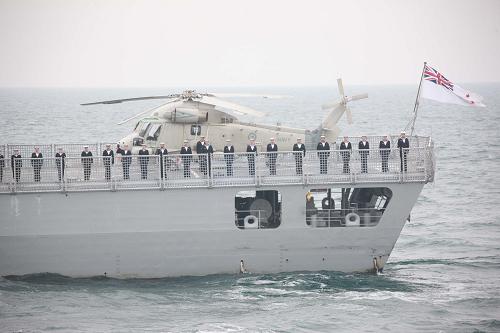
(217, 170)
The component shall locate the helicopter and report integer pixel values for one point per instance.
(191, 115)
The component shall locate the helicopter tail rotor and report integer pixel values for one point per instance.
(348, 115)
(341, 106)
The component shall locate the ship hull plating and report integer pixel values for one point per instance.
(155, 233)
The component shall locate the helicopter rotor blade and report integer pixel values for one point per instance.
(349, 115)
(250, 95)
(143, 112)
(133, 117)
(357, 97)
(329, 106)
(232, 106)
(341, 88)
(116, 101)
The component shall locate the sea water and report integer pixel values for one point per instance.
(443, 274)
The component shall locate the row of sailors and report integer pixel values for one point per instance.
(203, 147)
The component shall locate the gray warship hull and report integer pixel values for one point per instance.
(209, 222)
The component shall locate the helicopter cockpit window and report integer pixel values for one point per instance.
(154, 132)
(144, 128)
(195, 130)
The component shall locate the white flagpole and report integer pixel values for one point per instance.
(417, 102)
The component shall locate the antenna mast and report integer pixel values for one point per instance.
(417, 102)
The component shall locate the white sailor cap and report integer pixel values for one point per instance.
(85, 146)
(299, 139)
(162, 143)
(322, 137)
(271, 139)
(186, 141)
(228, 140)
(144, 145)
(403, 132)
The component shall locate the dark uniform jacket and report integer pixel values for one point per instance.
(347, 147)
(188, 152)
(210, 149)
(36, 161)
(302, 148)
(143, 156)
(2, 161)
(272, 147)
(387, 145)
(161, 152)
(88, 160)
(111, 154)
(229, 150)
(127, 157)
(251, 150)
(403, 143)
(119, 150)
(16, 161)
(60, 159)
(325, 147)
(362, 146)
(199, 147)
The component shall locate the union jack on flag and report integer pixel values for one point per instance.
(432, 75)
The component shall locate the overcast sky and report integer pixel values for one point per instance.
(229, 42)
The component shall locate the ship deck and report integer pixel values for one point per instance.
(215, 171)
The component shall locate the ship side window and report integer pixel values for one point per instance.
(346, 207)
(257, 209)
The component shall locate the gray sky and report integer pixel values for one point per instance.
(229, 42)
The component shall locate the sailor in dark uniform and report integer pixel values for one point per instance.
(162, 152)
(2, 165)
(37, 162)
(403, 145)
(252, 152)
(108, 160)
(87, 161)
(364, 151)
(323, 153)
(202, 157)
(119, 150)
(60, 163)
(300, 151)
(126, 161)
(272, 148)
(385, 150)
(186, 157)
(16, 163)
(346, 150)
(210, 154)
(200, 145)
(229, 157)
(143, 161)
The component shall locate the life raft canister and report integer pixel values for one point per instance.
(251, 222)
(352, 220)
